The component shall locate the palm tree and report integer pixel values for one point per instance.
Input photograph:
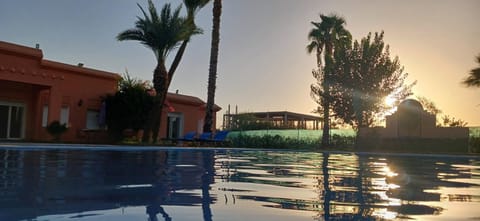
(162, 34)
(324, 37)
(193, 6)
(473, 80)
(212, 75)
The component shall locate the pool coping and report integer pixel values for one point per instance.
(111, 147)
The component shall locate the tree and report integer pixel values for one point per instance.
(324, 39)
(365, 75)
(193, 6)
(473, 80)
(446, 120)
(162, 34)
(212, 75)
(429, 105)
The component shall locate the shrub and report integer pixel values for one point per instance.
(277, 141)
(56, 129)
(129, 107)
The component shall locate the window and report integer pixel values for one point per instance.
(92, 120)
(64, 114)
(45, 116)
(12, 117)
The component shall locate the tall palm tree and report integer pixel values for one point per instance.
(212, 75)
(161, 33)
(324, 37)
(193, 6)
(473, 80)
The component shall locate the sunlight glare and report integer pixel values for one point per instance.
(388, 172)
(389, 101)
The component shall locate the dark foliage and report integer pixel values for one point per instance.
(128, 108)
(364, 75)
(56, 129)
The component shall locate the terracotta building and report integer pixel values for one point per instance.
(182, 114)
(35, 91)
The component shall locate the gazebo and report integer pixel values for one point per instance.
(283, 119)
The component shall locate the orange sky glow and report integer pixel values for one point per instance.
(263, 64)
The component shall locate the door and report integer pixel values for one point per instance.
(12, 117)
(174, 125)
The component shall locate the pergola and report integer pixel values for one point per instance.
(277, 118)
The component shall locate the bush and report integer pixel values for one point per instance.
(129, 108)
(56, 129)
(276, 141)
(474, 144)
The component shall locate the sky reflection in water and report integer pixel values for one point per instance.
(234, 185)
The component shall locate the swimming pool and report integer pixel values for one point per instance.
(127, 183)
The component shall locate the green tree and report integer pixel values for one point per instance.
(365, 75)
(325, 38)
(473, 80)
(212, 75)
(161, 33)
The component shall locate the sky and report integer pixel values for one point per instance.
(263, 64)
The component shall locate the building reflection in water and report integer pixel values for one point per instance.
(332, 186)
(37, 183)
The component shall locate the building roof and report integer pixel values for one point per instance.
(37, 54)
(190, 100)
(278, 114)
(410, 104)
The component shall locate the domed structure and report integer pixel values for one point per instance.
(412, 124)
(410, 104)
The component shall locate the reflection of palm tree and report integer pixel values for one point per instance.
(161, 33)
(473, 80)
(324, 38)
(206, 180)
(363, 211)
(153, 210)
(161, 185)
(326, 187)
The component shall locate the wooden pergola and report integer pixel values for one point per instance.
(283, 119)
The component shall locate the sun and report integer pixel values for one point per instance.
(389, 101)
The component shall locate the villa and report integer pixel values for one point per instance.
(35, 91)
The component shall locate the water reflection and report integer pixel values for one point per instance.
(359, 187)
(36, 183)
(226, 184)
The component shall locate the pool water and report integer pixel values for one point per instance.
(100, 183)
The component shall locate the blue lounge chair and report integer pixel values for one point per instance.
(218, 138)
(207, 136)
(190, 136)
(221, 136)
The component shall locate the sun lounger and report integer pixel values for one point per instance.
(190, 136)
(218, 138)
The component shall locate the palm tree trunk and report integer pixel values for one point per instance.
(160, 83)
(327, 193)
(212, 75)
(176, 60)
(327, 96)
(326, 122)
